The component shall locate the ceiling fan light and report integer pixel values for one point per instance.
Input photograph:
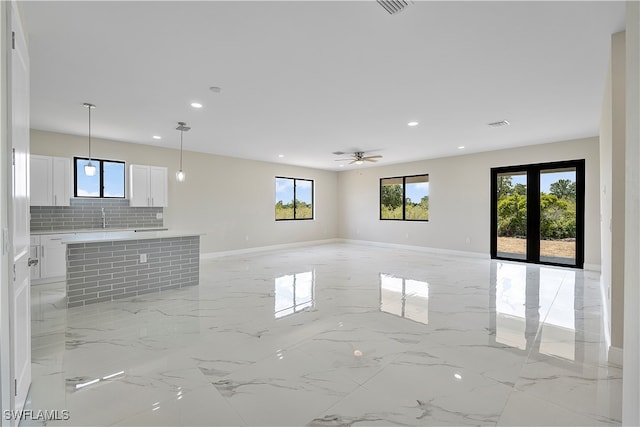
(90, 169)
(359, 162)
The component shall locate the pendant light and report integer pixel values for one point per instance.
(89, 168)
(182, 127)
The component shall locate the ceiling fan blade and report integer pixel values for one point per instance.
(373, 157)
(342, 160)
(352, 162)
(369, 159)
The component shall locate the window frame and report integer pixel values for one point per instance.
(313, 203)
(101, 163)
(533, 172)
(404, 198)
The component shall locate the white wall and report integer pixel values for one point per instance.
(606, 185)
(612, 191)
(631, 372)
(231, 200)
(459, 200)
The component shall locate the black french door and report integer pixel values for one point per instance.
(537, 213)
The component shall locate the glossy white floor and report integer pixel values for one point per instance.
(334, 335)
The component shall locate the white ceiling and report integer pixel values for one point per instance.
(305, 79)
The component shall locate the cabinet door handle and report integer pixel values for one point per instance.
(55, 200)
(36, 252)
(147, 201)
(42, 251)
(57, 238)
(152, 202)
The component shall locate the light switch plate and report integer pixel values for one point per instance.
(159, 215)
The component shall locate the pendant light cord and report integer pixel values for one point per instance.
(89, 108)
(181, 133)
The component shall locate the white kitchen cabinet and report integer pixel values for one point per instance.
(52, 258)
(50, 181)
(147, 186)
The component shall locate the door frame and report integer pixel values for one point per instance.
(533, 209)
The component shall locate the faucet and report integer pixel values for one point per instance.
(104, 219)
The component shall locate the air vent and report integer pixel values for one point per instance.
(394, 6)
(498, 124)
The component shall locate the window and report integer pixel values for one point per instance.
(405, 198)
(108, 182)
(294, 199)
(537, 213)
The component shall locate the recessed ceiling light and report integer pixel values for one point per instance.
(461, 147)
(156, 137)
(341, 166)
(215, 89)
(196, 105)
(281, 155)
(413, 124)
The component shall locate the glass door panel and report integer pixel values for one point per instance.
(512, 215)
(558, 216)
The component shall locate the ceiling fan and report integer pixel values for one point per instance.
(358, 157)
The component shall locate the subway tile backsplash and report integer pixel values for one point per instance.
(87, 214)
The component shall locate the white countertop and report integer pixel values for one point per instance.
(96, 230)
(111, 236)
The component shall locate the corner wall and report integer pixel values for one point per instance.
(631, 372)
(459, 199)
(612, 192)
(230, 200)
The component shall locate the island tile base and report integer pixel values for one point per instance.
(110, 270)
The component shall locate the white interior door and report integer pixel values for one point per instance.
(19, 211)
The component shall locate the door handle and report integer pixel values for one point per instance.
(32, 262)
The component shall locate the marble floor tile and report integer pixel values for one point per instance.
(333, 335)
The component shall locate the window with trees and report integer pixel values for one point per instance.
(405, 198)
(537, 213)
(108, 181)
(294, 198)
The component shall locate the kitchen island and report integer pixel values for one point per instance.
(106, 266)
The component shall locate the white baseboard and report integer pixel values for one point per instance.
(418, 248)
(593, 267)
(212, 255)
(615, 356)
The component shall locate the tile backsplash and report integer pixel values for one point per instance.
(87, 214)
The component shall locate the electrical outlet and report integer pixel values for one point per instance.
(143, 258)
(159, 215)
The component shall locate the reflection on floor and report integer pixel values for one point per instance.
(334, 335)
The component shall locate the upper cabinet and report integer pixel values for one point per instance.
(50, 181)
(147, 186)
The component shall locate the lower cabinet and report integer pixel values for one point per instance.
(52, 258)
